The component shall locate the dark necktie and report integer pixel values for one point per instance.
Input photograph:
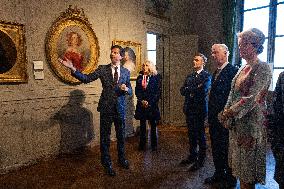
(115, 75)
(196, 74)
(218, 71)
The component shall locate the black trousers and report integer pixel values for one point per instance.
(196, 136)
(220, 144)
(106, 121)
(153, 124)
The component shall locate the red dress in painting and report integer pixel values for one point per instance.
(76, 58)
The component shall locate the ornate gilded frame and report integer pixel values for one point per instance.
(71, 18)
(137, 49)
(14, 45)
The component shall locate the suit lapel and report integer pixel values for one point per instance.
(121, 74)
(109, 73)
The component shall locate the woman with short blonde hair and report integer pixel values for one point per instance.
(148, 91)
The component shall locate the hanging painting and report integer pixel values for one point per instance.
(72, 37)
(13, 59)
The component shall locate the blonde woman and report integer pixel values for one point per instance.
(148, 91)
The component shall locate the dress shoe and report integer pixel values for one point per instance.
(109, 171)
(231, 181)
(141, 148)
(188, 161)
(154, 148)
(197, 165)
(214, 179)
(124, 163)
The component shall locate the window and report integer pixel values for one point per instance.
(268, 16)
(151, 47)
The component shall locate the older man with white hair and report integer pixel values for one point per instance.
(220, 88)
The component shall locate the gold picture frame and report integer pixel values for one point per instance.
(136, 47)
(60, 44)
(13, 58)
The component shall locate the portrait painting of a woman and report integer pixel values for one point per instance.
(132, 56)
(129, 61)
(71, 38)
(72, 53)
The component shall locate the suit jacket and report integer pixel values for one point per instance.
(195, 89)
(219, 92)
(277, 129)
(151, 94)
(112, 99)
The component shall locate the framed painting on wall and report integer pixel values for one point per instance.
(71, 37)
(13, 59)
(132, 59)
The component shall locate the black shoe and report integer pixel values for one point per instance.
(142, 147)
(197, 165)
(231, 181)
(109, 171)
(214, 179)
(124, 163)
(154, 148)
(188, 161)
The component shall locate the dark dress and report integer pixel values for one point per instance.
(152, 113)
(277, 142)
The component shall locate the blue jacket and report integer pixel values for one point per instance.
(112, 98)
(195, 90)
(277, 129)
(151, 94)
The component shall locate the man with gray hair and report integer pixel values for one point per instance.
(219, 135)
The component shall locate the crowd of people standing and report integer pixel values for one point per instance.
(232, 101)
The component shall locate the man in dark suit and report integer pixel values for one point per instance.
(116, 84)
(219, 92)
(195, 89)
(277, 131)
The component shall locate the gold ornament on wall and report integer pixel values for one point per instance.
(71, 37)
(13, 59)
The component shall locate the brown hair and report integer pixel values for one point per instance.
(69, 35)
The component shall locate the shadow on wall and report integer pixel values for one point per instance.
(76, 124)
